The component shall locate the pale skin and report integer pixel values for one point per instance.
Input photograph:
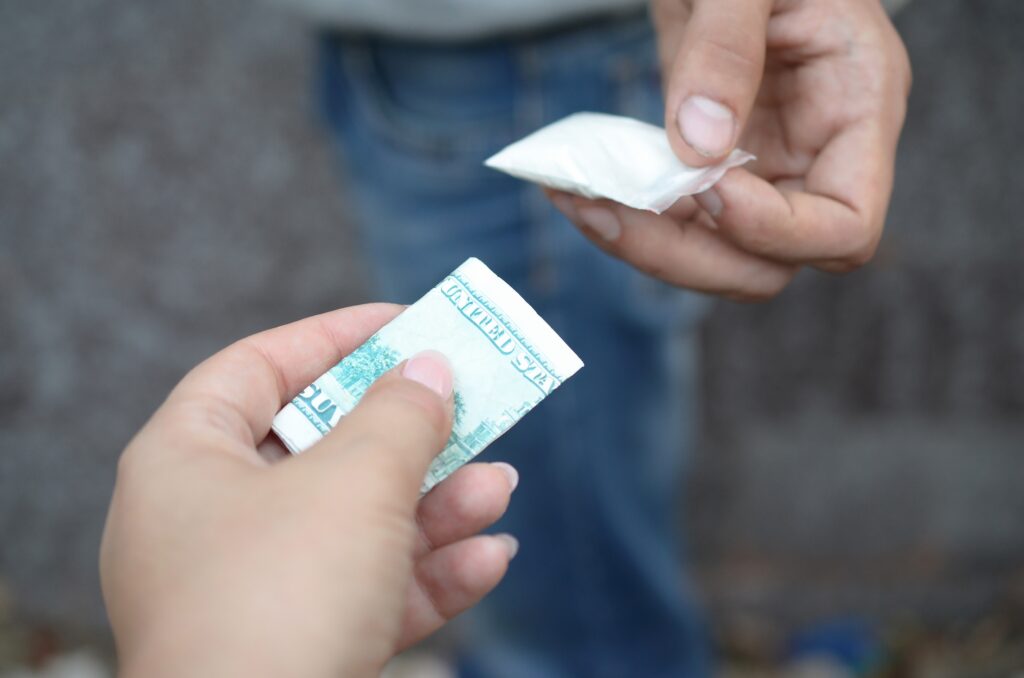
(817, 90)
(223, 556)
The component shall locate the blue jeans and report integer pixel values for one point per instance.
(598, 588)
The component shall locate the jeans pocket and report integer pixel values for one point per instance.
(634, 77)
(426, 116)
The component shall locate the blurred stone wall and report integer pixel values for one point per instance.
(865, 434)
(163, 191)
(161, 178)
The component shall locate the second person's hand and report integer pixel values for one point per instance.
(817, 90)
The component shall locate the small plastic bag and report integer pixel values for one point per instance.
(608, 156)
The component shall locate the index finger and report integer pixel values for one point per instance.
(242, 387)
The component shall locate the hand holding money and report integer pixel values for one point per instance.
(217, 561)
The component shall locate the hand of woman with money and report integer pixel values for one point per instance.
(817, 90)
(224, 557)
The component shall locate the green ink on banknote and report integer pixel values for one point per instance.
(505, 359)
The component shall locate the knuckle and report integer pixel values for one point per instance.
(859, 245)
(757, 237)
(763, 286)
(735, 53)
(862, 253)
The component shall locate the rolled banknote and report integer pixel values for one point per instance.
(505, 360)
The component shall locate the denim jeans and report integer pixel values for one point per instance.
(598, 588)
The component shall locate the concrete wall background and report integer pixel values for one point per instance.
(164, 190)
(865, 447)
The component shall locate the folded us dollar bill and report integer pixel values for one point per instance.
(597, 155)
(505, 359)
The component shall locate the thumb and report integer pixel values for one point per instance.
(715, 77)
(389, 439)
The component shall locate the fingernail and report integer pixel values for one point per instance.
(431, 369)
(707, 126)
(710, 201)
(510, 472)
(602, 222)
(511, 544)
(565, 205)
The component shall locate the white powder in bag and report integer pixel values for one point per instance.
(609, 156)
